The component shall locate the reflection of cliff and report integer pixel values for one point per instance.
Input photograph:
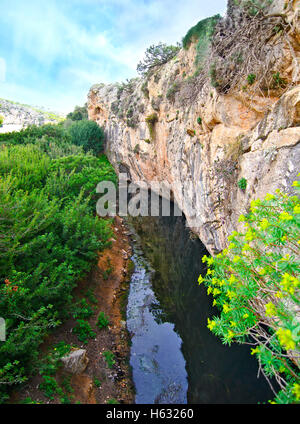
(217, 373)
(213, 129)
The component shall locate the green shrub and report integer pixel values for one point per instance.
(80, 113)
(278, 81)
(97, 382)
(27, 163)
(251, 79)
(112, 402)
(50, 387)
(49, 239)
(109, 358)
(82, 310)
(255, 283)
(84, 331)
(103, 321)
(33, 134)
(151, 121)
(203, 31)
(199, 120)
(1, 120)
(242, 183)
(88, 135)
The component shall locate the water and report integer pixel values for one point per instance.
(174, 357)
(157, 361)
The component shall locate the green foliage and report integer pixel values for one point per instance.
(156, 55)
(278, 81)
(80, 113)
(50, 387)
(90, 295)
(33, 134)
(102, 321)
(255, 284)
(84, 331)
(75, 174)
(202, 32)
(97, 382)
(112, 401)
(251, 79)
(1, 120)
(199, 120)
(242, 183)
(50, 364)
(109, 358)
(82, 310)
(151, 121)
(88, 135)
(49, 239)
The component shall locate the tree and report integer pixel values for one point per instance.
(157, 56)
(79, 114)
(87, 134)
(1, 120)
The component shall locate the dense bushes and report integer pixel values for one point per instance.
(202, 31)
(80, 113)
(59, 140)
(88, 135)
(255, 283)
(49, 238)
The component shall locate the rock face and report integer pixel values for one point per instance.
(17, 116)
(76, 362)
(203, 141)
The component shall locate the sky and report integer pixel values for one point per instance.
(52, 52)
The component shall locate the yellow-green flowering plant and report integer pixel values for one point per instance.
(255, 284)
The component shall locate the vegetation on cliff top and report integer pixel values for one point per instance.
(202, 31)
(255, 284)
(156, 55)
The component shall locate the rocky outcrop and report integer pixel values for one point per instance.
(176, 127)
(17, 116)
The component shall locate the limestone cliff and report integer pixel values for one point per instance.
(234, 116)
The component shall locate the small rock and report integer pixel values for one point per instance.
(76, 362)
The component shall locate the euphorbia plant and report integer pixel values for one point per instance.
(255, 284)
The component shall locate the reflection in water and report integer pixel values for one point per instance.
(216, 373)
(157, 378)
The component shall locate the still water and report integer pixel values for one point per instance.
(175, 359)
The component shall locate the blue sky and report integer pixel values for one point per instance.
(52, 51)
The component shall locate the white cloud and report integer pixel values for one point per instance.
(61, 52)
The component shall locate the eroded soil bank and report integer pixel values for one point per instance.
(109, 282)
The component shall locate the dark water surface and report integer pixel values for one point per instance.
(174, 357)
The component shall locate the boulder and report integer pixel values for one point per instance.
(76, 361)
